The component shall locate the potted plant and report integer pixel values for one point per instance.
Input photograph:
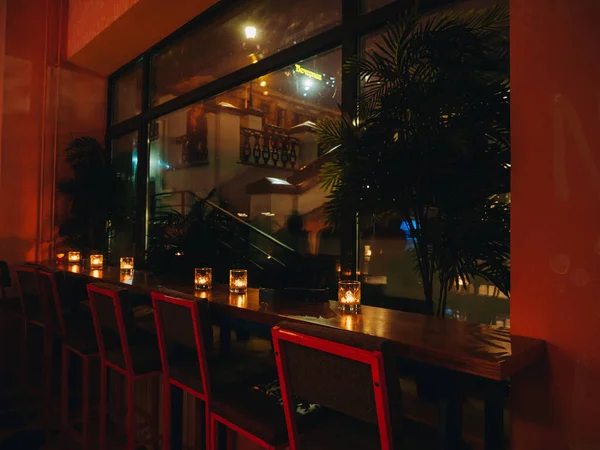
(431, 146)
(95, 192)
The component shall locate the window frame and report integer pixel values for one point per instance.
(347, 35)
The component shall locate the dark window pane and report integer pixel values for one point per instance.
(127, 95)
(370, 5)
(251, 144)
(250, 32)
(387, 266)
(125, 160)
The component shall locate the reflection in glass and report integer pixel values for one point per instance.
(239, 300)
(125, 161)
(97, 273)
(250, 32)
(387, 265)
(255, 145)
(126, 278)
(127, 95)
(370, 5)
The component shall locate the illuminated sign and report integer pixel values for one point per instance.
(308, 73)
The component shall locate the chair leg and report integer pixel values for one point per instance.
(102, 437)
(214, 434)
(166, 440)
(130, 413)
(24, 354)
(64, 395)
(206, 424)
(85, 402)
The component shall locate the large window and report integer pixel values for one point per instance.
(127, 94)
(123, 228)
(248, 33)
(205, 128)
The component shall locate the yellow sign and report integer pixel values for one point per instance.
(308, 73)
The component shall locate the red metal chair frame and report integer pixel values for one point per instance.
(85, 361)
(212, 419)
(167, 380)
(372, 358)
(28, 320)
(128, 372)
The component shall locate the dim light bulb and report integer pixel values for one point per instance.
(250, 32)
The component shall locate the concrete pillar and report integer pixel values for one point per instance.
(555, 104)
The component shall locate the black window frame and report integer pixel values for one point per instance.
(347, 35)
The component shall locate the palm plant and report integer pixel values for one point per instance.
(95, 191)
(431, 146)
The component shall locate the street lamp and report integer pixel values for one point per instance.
(250, 32)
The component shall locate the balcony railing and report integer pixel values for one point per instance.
(269, 148)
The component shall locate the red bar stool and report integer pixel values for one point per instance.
(10, 306)
(34, 314)
(225, 383)
(135, 355)
(76, 331)
(353, 378)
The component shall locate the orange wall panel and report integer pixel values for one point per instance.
(555, 101)
(44, 104)
(89, 18)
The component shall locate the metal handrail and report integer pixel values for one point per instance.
(233, 216)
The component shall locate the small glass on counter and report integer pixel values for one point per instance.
(203, 278)
(126, 264)
(349, 296)
(238, 281)
(96, 261)
(74, 257)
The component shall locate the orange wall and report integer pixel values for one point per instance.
(89, 18)
(45, 103)
(555, 76)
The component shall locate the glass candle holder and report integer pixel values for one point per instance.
(126, 264)
(238, 281)
(96, 261)
(60, 257)
(349, 296)
(203, 278)
(74, 257)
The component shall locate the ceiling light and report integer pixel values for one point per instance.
(263, 83)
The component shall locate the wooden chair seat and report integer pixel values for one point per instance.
(145, 359)
(224, 370)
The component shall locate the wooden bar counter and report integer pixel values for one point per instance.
(485, 351)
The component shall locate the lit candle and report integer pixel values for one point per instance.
(238, 281)
(96, 261)
(74, 257)
(203, 278)
(349, 295)
(127, 264)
